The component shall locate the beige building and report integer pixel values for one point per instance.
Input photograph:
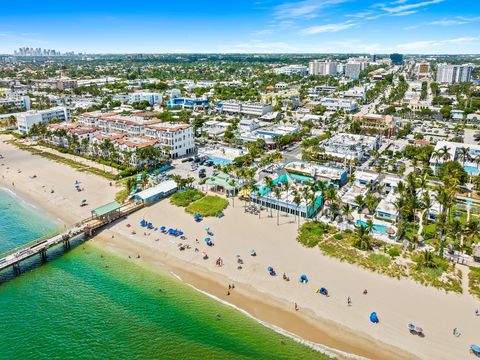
(376, 124)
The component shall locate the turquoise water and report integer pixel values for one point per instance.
(472, 170)
(88, 304)
(219, 161)
(20, 222)
(376, 227)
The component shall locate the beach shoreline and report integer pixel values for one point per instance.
(324, 321)
(274, 313)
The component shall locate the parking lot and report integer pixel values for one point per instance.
(184, 169)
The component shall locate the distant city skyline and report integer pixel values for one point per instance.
(262, 26)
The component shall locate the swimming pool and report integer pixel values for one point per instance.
(472, 170)
(376, 227)
(218, 160)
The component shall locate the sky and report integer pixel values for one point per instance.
(243, 26)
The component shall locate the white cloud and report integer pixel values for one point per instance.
(427, 45)
(396, 7)
(405, 13)
(306, 9)
(317, 29)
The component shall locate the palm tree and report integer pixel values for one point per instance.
(269, 184)
(347, 211)
(371, 202)
(464, 155)
(369, 226)
(278, 192)
(297, 200)
(359, 201)
(445, 153)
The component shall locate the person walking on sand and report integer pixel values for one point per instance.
(296, 307)
(349, 301)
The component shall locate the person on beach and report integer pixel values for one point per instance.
(349, 301)
(228, 293)
(365, 292)
(477, 312)
(229, 286)
(296, 307)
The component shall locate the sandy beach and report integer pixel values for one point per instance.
(319, 319)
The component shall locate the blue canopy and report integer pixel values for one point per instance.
(475, 349)
(303, 278)
(374, 317)
(162, 228)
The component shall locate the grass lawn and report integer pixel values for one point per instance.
(185, 198)
(311, 233)
(209, 205)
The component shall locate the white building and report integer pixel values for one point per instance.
(245, 108)
(322, 68)
(27, 119)
(175, 139)
(352, 70)
(448, 74)
(334, 104)
(151, 98)
(215, 128)
(291, 70)
(351, 146)
(15, 101)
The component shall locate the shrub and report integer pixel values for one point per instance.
(393, 252)
(338, 236)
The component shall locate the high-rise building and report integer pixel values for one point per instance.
(397, 59)
(449, 74)
(423, 70)
(317, 67)
(352, 70)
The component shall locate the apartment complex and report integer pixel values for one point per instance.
(14, 101)
(376, 124)
(244, 108)
(422, 70)
(175, 139)
(291, 70)
(322, 68)
(449, 74)
(351, 146)
(26, 120)
(334, 104)
(151, 98)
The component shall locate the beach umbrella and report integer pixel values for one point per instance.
(180, 233)
(374, 317)
(303, 278)
(162, 228)
(207, 229)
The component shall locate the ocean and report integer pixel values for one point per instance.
(88, 304)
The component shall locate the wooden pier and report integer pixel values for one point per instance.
(86, 228)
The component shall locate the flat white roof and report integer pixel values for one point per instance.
(163, 187)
